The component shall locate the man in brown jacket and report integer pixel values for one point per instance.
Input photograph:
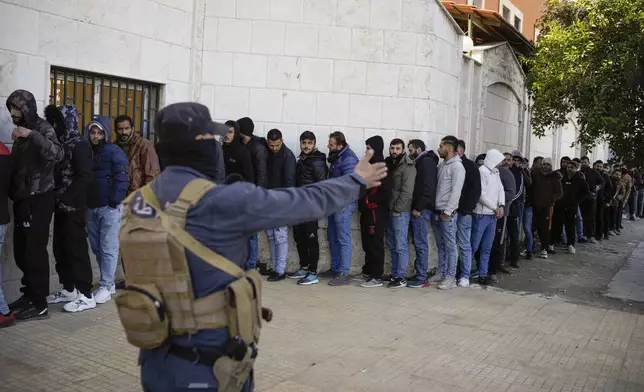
(142, 158)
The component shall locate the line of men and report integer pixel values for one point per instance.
(79, 181)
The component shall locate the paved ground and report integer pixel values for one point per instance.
(353, 339)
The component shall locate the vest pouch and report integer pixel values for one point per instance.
(241, 310)
(231, 374)
(143, 315)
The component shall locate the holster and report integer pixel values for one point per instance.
(233, 371)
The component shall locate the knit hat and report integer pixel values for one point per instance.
(517, 153)
(246, 126)
(547, 160)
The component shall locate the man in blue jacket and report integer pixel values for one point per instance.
(106, 193)
(343, 161)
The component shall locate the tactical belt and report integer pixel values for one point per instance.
(194, 355)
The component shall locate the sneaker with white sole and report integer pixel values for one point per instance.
(62, 296)
(435, 279)
(544, 254)
(372, 283)
(102, 295)
(361, 278)
(82, 303)
(571, 250)
(447, 284)
(464, 282)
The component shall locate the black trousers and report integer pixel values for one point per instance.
(541, 222)
(499, 250)
(564, 216)
(589, 213)
(372, 233)
(32, 217)
(614, 213)
(600, 229)
(71, 252)
(308, 245)
(620, 212)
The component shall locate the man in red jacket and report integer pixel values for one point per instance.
(6, 316)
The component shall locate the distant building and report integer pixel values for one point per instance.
(522, 14)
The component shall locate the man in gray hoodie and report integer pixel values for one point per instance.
(451, 176)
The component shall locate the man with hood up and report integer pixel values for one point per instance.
(547, 186)
(310, 169)
(36, 150)
(240, 209)
(403, 174)
(422, 206)
(488, 211)
(143, 163)
(259, 157)
(237, 157)
(106, 193)
(575, 191)
(73, 177)
(374, 218)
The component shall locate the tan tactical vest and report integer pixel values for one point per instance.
(158, 300)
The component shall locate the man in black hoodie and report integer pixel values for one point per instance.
(258, 155)
(73, 177)
(236, 156)
(36, 150)
(575, 191)
(604, 198)
(310, 168)
(422, 206)
(589, 206)
(470, 195)
(374, 219)
(281, 174)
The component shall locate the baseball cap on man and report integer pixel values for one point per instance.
(517, 153)
(185, 121)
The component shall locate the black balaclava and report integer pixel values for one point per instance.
(201, 155)
(377, 145)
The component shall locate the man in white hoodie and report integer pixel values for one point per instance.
(487, 211)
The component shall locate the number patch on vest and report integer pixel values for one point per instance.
(141, 208)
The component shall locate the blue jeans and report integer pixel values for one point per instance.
(527, 229)
(398, 242)
(580, 224)
(483, 232)
(464, 240)
(339, 235)
(640, 202)
(278, 241)
(4, 308)
(445, 235)
(253, 252)
(420, 230)
(103, 225)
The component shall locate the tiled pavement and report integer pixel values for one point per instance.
(353, 339)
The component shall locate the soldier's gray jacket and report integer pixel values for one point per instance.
(35, 156)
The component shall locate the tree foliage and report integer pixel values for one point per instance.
(589, 63)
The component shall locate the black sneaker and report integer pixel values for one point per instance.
(20, 303)
(514, 264)
(387, 278)
(583, 240)
(397, 283)
(275, 277)
(264, 270)
(606, 237)
(493, 279)
(328, 274)
(528, 256)
(551, 250)
(31, 313)
(484, 281)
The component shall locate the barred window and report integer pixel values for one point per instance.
(96, 94)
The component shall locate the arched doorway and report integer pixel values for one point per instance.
(501, 119)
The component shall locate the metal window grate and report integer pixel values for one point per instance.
(96, 94)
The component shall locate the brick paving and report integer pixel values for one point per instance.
(354, 339)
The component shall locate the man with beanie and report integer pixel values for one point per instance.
(402, 172)
(342, 162)
(107, 191)
(237, 157)
(35, 152)
(547, 185)
(281, 174)
(258, 156)
(422, 205)
(239, 210)
(73, 177)
(374, 218)
(311, 168)
(470, 195)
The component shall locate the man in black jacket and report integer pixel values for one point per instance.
(604, 199)
(310, 168)
(374, 219)
(422, 206)
(236, 156)
(469, 197)
(281, 174)
(73, 177)
(575, 191)
(588, 207)
(258, 156)
(513, 225)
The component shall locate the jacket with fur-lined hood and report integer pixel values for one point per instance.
(492, 192)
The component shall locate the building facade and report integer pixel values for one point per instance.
(522, 14)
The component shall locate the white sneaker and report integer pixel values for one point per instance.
(464, 282)
(435, 279)
(82, 303)
(113, 289)
(447, 284)
(62, 296)
(102, 295)
(544, 254)
(571, 249)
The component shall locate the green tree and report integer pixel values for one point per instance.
(589, 62)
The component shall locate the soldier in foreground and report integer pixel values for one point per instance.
(188, 304)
